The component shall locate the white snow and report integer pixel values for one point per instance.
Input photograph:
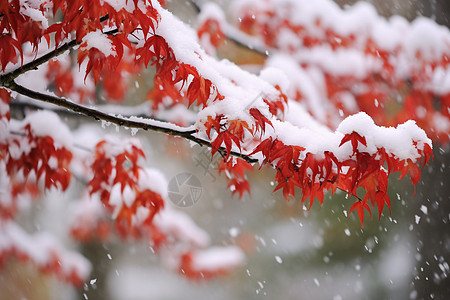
(224, 74)
(166, 125)
(424, 36)
(301, 80)
(96, 39)
(47, 123)
(440, 82)
(211, 11)
(153, 180)
(216, 258)
(340, 62)
(398, 141)
(41, 249)
(31, 10)
(118, 5)
(87, 209)
(424, 209)
(411, 45)
(115, 200)
(176, 223)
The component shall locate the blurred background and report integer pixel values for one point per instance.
(293, 252)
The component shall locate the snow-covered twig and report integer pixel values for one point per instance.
(133, 122)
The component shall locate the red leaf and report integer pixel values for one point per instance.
(354, 138)
(8, 48)
(264, 147)
(380, 199)
(260, 119)
(360, 206)
(228, 139)
(239, 186)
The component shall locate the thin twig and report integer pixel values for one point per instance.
(7, 78)
(121, 121)
(22, 105)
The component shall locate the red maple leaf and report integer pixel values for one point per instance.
(360, 205)
(354, 138)
(227, 138)
(260, 119)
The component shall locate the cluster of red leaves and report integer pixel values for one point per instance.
(61, 77)
(19, 28)
(76, 13)
(17, 187)
(123, 169)
(98, 62)
(234, 170)
(86, 230)
(53, 262)
(95, 225)
(276, 103)
(109, 67)
(231, 132)
(173, 79)
(53, 266)
(228, 132)
(188, 269)
(16, 29)
(297, 168)
(42, 159)
(46, 161)
(211, 30)
(379, 92)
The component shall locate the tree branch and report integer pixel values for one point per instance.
(127, 111)
(7, 78)
(121, 121)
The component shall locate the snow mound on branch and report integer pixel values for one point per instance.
(42, 249)
(412, 43)
(216, 258)
(312, 89)
(211, 11)
(121, 4)
(341, 62)
(241, 89)
(177, 224)
(46, 123)
(426, 37)
(398, 141)
(97, 39)
(31, 10)
(153, 180)
(441, 81)
(403, 141)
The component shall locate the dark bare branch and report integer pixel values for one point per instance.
(121, 121)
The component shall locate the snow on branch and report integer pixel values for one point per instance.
(300, 113)
(44, 251)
